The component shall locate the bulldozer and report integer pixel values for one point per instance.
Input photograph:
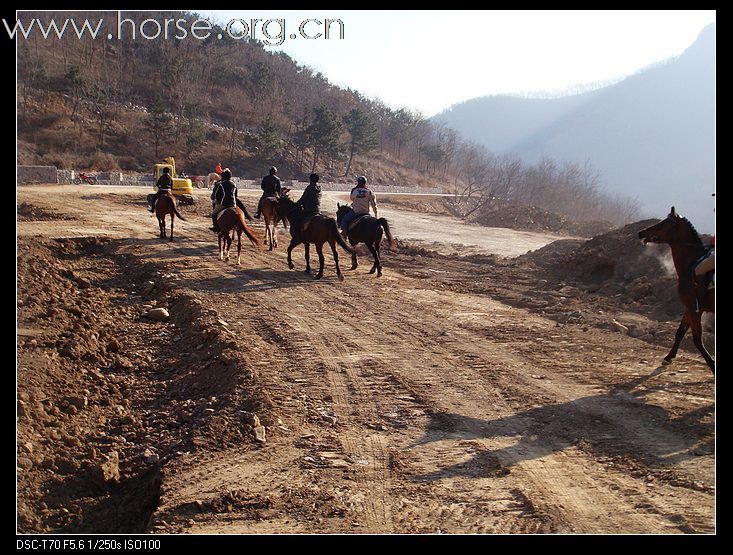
(182, 187)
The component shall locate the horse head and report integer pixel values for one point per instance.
(341, 211)
(667, 231)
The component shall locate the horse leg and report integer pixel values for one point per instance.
(375, 254)
(221, 245)
(172, 218)
(354, 263)
(307, 258)
(376, 266)
(681, 330)
(293, 243)
(321, 260)
(239, 248)
(378, 255)
(161, 224)
(697, 339)
(336, 260)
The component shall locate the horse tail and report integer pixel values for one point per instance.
(176, 212)
(247, 231)
(387, 232)
(334, 230)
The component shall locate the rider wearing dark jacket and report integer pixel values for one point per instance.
(310, 201)
(270, 186)
(164, 185)
(225, 196)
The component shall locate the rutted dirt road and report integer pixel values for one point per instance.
(402, 404)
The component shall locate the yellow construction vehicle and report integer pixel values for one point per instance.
(182, 187)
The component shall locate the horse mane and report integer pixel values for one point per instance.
(695, 234)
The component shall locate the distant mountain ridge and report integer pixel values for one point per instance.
(651, 135)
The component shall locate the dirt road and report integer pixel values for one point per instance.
(395, 405)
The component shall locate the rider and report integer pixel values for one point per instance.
(164, 185)
(310, 202)
(216, 193)
(702, 267)
(361, 199)
(270, 188)
(218, 168)
(226, 196)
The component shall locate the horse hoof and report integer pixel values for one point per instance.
(666, 361)
(371, 271)
(353, 267)
(318, 276)
(307, 272)
(379, 274)
(291, 266)
(341, 277)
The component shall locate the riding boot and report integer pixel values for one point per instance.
(345, 234)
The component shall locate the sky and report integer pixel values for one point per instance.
(430, 60)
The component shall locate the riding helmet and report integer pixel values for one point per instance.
(361, 180)
(273, 170)
(315, 178)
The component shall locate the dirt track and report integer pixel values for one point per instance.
(412, 403)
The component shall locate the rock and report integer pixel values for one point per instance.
(250, 418)
(260, 434)
(108, 472)
(150, 456)
(159, 314)
(25, 463)
(619, 327)
(78, 402)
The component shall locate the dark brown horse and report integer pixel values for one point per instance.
(166, 205)
(272, 218)
(367, 230)
(319, 230)
(687, 249)
(232, 219)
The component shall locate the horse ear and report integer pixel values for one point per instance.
(338, 205)
(673, 213)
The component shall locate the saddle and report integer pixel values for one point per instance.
(353, 223)
(224, 210)
(307, 220)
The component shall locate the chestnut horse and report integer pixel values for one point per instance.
(232, 219)
(320, 229)
(166, 205)
(367, 230)
(271, 217)
(687, 249)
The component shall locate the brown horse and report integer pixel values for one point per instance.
(272, 218)
(232, 219)
(166, 205)
(320, 229)
(367, 230)
(687, 249)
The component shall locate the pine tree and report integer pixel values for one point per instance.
(364, 136)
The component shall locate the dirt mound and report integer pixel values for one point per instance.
(106, 392)
(616, 263)
(416, 203)
(533, 218)
(28, 212)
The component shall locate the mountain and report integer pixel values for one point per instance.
(651, 136)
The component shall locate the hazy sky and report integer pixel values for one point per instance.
(429, 60)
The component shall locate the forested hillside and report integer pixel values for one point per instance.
(98, 104)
